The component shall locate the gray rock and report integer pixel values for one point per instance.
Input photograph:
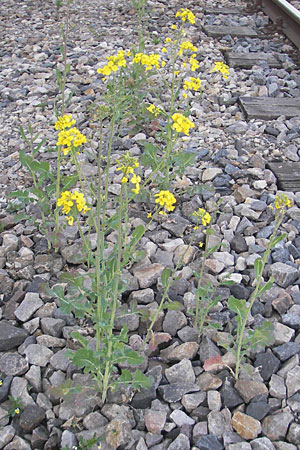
(209, 442)
(31, 417)
(240, 446)
(4, 388)
(259, 407)
(277, 387)
(291, 320)
(38, 355)
(53, 327)
(219, 422)
(284, 274)
(174, 321)
(285, 351)
(85, 400)
(267, 363)
(293, 435)
(74, 254)
(230, 396)
(249, 389)
(33, 376)
(7, 434)
(18, 444)
(207, 349)
(28, 307)
(13, 364)
(182, 442)
(293, 381)
(94, 420)
(262, 443)
(59, 360)
(118, 432)
(39, 437)
(148, 276)
(143, 296)
(214, 400)
(11, 336)
(176, 225)
(172, 393)
(19, 388)
(181, 419)
(155, 420)
(181, 371)
(48, 263)
(191, 401)
(275, 427)
(68, 439)
(282, 333)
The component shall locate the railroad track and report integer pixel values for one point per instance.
(286, 15)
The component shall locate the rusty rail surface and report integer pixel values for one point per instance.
(286, 15)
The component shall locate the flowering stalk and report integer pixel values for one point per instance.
(281, 202)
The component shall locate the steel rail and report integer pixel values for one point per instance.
(281, 11)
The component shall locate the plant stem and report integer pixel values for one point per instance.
(259, 279)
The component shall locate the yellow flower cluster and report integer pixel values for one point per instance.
(181, 123)
(193, 84)
(127, 166)
(221, 67)
(282, 202)
(68, 199)
(64, 122)
(166, 200)
(154, 110)
(186, 45)
(194, 63)
(70, 138)
(149, 61)
(203, 216)
(186, 15)
(114, 62)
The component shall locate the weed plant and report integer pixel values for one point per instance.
(131, 98)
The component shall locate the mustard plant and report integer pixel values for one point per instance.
(246, 340)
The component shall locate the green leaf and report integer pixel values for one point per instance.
(238, 306)
(69, 181)
(84, 342)
(149, 156)
(141, 380)
(165, 276)
(172, 306)
(262, 336)
(258, 267)
(266, 287)
(23, 134)
(85, 359)
(21, 195)
(137, 234)
(277, 239)
(125, 376)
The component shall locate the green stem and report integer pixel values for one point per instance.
(259, 280)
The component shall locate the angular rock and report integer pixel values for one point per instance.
(267, 363)
(74, 254)
(277, 387)
(285, 351)
(7, 434)
(181, 418)
(246, 426)
(38, 354)
(172, 393)
(275, 427)
(209, 442)
(174, 321)
(182, 442)
(219, 422)
(4, 388)
(148, 276)
(284, 274)
(118, 432)
(155, 420)
(187, 350)
(10, 336)
(293, 381)
(52, 327)
(181, 371)
(13, 364)
(249, 389)
(28, 307)
(293, 435)
(31, 417)
(262, 443)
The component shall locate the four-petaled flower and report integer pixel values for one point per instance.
(182, 123)
(203, 216)
(165, 199)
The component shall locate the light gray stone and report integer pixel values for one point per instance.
(38, 354)
(28, 307)
(284, 274)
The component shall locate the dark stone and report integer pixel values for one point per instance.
(35, 285)
(176, 225)
(294, 251)
(201, 412)
(285, 351)
(230, 396)
(240, 291)
(222, 181)
(258, 407)
(239, 244)
(173, 392)
(143, 398)
(39, 437)
(257, 308)
(269, 364)
(10, 336)
(280, 255)
(4, 388)
(31, 417)
(209, 442)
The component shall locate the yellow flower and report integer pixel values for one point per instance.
(149, 61)
(196, 227)
(164, 50)
(168, 40)
(194, 63)
(64, 122)
(181, 123)
(221, 67)
(70, 138)
(149, 215)
(1, 382)
(203, 216)
(186, 14)
(154, 110)
(201, 244)
(165, 199)
(114, 62)
(186, 45)
(68, 200)
(17, 411)
(193, 84)
(173, 27)
(282, 202)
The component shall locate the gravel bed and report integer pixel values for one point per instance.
(187, 407)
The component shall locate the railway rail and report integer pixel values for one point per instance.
(286, 15)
